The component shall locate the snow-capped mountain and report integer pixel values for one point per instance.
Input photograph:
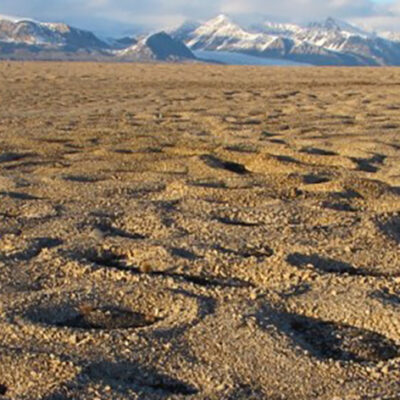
(331, 42)
(28, 39)
(48, 35)
(332, 24)
(221, 33)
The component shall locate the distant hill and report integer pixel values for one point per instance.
(159, 46)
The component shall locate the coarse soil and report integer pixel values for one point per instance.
(199, 231)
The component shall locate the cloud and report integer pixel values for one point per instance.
(123, 15)
(303, 9)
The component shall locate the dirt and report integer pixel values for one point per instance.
(194, 231)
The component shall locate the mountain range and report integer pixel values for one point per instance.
(26, 39)
(330, 42)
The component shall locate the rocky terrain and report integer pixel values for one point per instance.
(199, 232)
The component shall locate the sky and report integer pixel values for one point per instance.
(119, 17)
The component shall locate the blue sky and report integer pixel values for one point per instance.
(116, 17)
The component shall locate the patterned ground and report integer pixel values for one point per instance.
(199, 232)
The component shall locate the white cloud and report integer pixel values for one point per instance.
(302, 9)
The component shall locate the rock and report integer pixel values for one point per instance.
(3, 389)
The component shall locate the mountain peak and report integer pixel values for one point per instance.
(165, 47)
(220, 20)
(221, 32)
(331, 22)
(221, 24)
(158, 46)
(335, 24)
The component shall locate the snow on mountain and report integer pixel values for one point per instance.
(47, 35)
(222, 34)
(159, 46)
(121, 43)
(331, 42)
(327, 38)
(28, 39)
(332, 24)
(393, 36)
(276, 28)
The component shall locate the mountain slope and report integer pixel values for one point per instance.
(331, 42)
(276, 28)
(392, 36)
(181, 32)
(159, 46)
(48, 35)
(31, 40)
(221, 33)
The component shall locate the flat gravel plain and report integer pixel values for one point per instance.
(198, 231)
